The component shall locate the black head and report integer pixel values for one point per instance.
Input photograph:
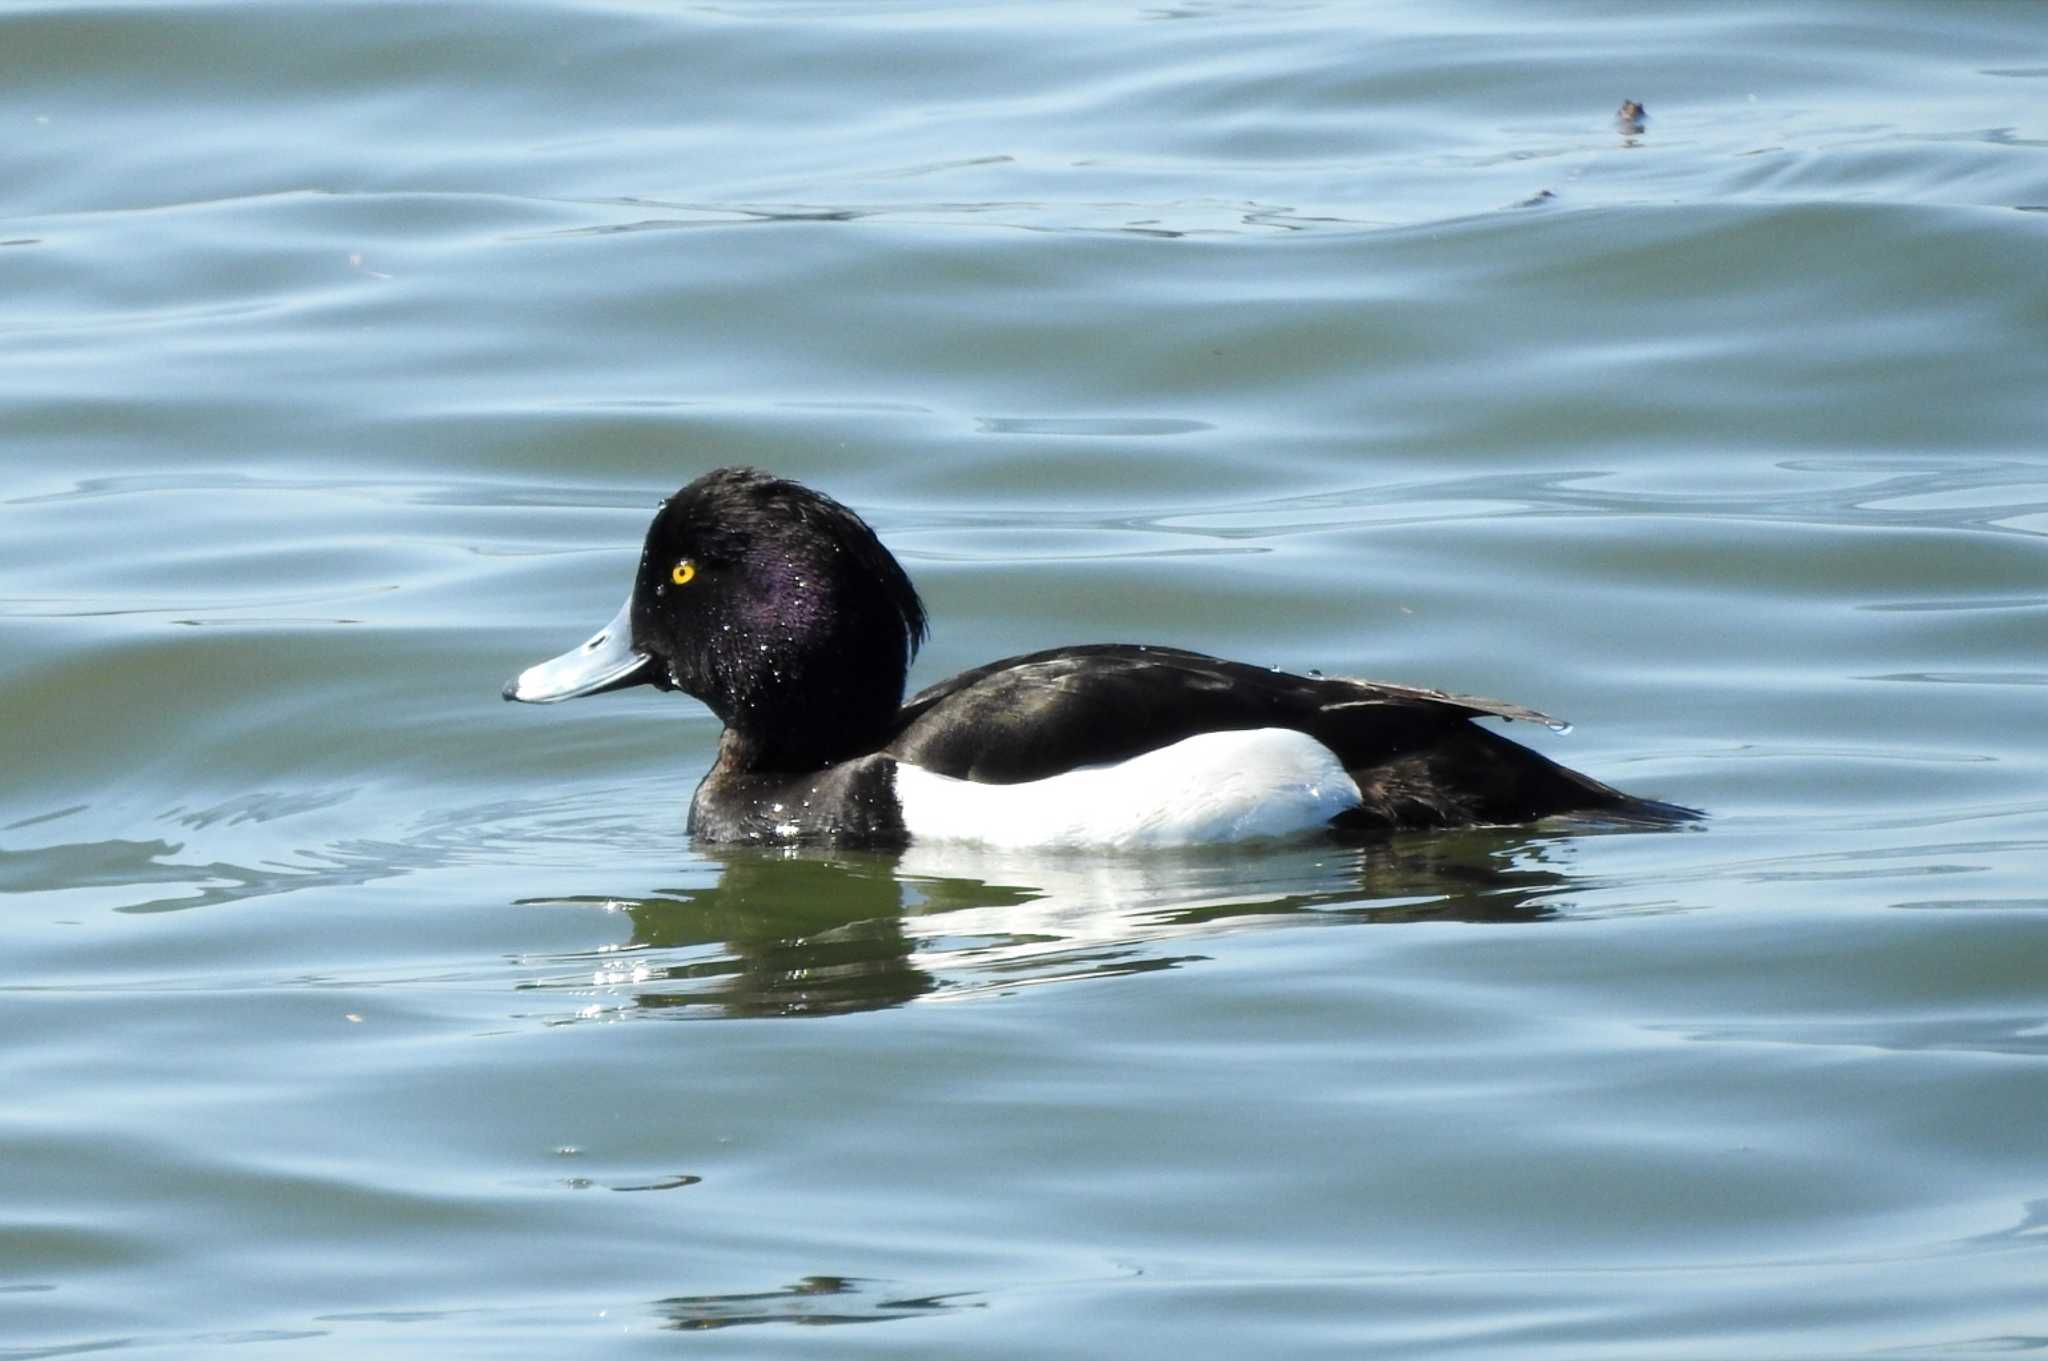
(776, 606)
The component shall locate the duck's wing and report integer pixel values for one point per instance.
(1034, 716)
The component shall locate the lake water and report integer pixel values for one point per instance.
(345, 349)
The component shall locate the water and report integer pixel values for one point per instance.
(345, 350)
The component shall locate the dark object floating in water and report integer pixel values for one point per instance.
(669, 1183)
(810, 1302)
(1631, 117)
(780, 609)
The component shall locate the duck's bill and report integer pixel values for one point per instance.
(608, 661)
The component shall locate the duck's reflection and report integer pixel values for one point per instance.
(813, 934)
(801, 936)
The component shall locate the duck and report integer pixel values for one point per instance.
(780, 609)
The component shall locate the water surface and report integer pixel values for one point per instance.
(346, 349)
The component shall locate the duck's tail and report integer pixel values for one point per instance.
(1472, 776)
(1629, 811)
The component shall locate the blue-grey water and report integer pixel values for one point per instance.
(345, 349)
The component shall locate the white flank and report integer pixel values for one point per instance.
(1211, 788)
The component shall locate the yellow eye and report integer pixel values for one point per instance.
(685, 572)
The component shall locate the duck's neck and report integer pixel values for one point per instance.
(751, 752)
(821, 725)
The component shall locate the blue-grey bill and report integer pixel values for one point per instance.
(605, 662)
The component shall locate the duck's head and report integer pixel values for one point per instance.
(772, 603)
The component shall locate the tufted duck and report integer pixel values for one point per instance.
(779, 608)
